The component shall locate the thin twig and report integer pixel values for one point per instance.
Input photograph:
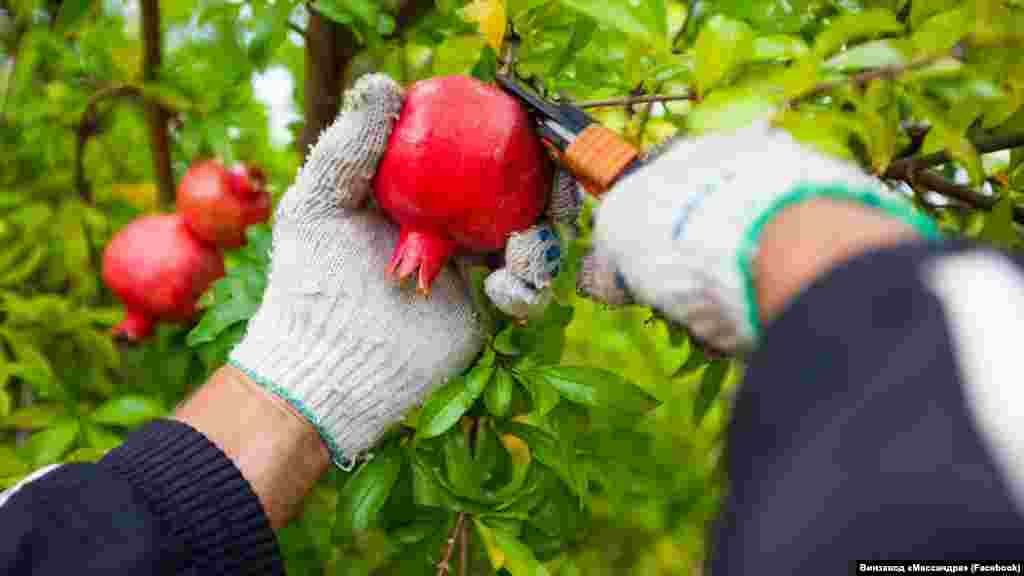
(920, 178)
(982, 145)
(463, 550)
(296, 28)
(630, 100)
(443, 566)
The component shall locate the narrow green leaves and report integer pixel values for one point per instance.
(710, 386)
(445, 406)
(778, 47)
(498, 396)
(723, 45)
(870, 55)
(596, 388)
(47, 446)
(519, 559)
(506, 551)
(850, 27)
(582, 32)
(645, 21)
(362, 497)
(128, 411)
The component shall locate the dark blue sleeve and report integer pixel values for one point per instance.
(167, 501)
(852, 438)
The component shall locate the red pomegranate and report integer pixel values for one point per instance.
(219, 205)
(463, 169)
(158, 269)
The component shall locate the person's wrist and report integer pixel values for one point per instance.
(278, 451)
(808, 239)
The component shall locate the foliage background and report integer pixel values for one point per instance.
(927, 94)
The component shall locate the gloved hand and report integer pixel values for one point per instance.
(533, 257)
(681, 233)
(349, 349)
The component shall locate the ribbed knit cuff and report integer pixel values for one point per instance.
(212, 520)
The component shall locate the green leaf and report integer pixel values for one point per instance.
(99, 438)
(462, 472)
(32, 367)
(445, 406)
(235, 298)
(11, 464)
(361, 498)
(498, 396)
(923, 10)
(332, 10)
(6, 402)
(84, 455)
(940, 32)
(507, 341)
(599, 389)
(71, 12)
(33, 417)
(726, 110)
(129, 411)
(850, 27)
(624, 17)
(543, 395)
(710, 385)
(486, 68)
(519, 559)
(871, 55)
(582, 32)
(723, 45)
(952, 137)
(427, 521)
(49, 445)
(999, 227)
(778, 48)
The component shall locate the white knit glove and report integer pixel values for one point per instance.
(683, 230)
(533, 257)
(349, 349)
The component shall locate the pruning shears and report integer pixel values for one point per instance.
(595, 155)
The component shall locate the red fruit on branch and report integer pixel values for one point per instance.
(158, 269)
(219, 205)
(463, 170)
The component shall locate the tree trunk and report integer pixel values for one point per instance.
(156, 116)
(329, 48)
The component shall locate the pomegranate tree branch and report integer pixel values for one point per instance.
(444, 566)
(156, 115)
(918, 177)
(982, 145)
(330, 48)
(630, 100)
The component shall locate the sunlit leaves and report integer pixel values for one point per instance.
(645, 20)
(851, 27)
(722, 46)
(128, 410)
